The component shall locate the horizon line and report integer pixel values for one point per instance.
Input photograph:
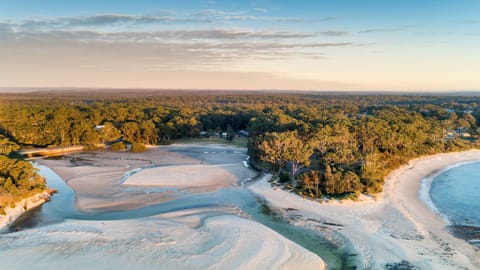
(33, 89)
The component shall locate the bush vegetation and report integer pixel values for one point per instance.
(18, 178)
(138, 147)
(118, 146)
(329, 145)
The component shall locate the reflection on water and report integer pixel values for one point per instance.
(29, 220)
(239, 201)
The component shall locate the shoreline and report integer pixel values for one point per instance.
(426, 185)
(22, 207)
(397, 226)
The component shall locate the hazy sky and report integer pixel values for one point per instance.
(414, 45)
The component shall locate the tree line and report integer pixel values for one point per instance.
(18, 178)
(321, 145)
(336, 153)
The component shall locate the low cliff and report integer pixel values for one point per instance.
(21, 207)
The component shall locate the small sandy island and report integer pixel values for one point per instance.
(186, 176)
(397, 226)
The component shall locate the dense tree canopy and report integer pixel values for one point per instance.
(18, 178)
(328, 144)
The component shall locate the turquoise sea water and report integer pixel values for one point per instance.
(456, 195)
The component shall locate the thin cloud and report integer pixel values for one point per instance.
(264, 39)
(328, 18)
(334, 33)
(232, 34)
(271, 45)
(221, 15)
(103, 37)
(381, 30)
(471, 21)
(104, 20)
(101, 20)
(178, 48)
(388, 29)
(6, 27)
(216, 12)
(214, 34)
(261, 10)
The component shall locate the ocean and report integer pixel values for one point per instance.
(455, 193)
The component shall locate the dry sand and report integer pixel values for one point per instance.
(98, 178)
(185, 176)
(396, 226)
(222, 242)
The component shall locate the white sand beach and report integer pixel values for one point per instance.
(396, 226)
(222, 242)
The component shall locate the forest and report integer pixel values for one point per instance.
(317, 144)
(18, 178)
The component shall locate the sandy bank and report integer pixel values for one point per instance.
(221, 242)
(185, 176)
(398, 226)
(21, 207)
(98, 179)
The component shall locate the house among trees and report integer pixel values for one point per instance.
(450, 135)
(243, 133)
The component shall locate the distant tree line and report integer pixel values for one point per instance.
(134, 122)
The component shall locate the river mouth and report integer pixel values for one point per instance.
(192, 207)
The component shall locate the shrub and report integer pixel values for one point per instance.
(138, 147)
(90, 147)
(118, 146)
(284, 177)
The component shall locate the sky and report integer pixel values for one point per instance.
(395, 45)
